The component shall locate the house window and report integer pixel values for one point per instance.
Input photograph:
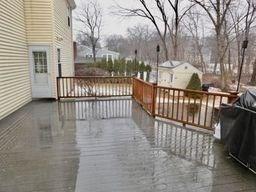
(171, 78)
(58, 52)
(161, 74)
(40, 61)
(69, 16)
(110, 57)
(69, 21)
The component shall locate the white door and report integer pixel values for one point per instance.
(40, 71)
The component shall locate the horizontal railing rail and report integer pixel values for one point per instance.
(82, 87)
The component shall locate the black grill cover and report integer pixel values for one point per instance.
(238, 128)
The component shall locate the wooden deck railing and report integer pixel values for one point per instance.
(196, 108)
(189, 107)
(145, 94)
(82, 87)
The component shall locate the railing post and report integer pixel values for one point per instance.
(234, 97)
(133, 82)
(58, 88)
(154, 99)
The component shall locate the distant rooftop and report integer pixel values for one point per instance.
(173, 64)
(100, 51)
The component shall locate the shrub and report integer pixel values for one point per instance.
(194, 84)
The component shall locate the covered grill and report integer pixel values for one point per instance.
(238, 129)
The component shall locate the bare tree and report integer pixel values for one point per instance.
(141, 37)
(253, 78)
(236, 17)
(169, 20)
(250, 19)
(145, 11)
(217, 11)
(174, 28)
(193, 26)
(90, 15)
(83, 39)
(115, 43)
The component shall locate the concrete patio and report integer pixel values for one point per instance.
(110, 146)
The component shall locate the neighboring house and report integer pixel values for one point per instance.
(176, 74)
(35, 36)
(84, 55)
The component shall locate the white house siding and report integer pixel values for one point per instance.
(183, 74)
(63, 38)
(165, 77)
(39, 21)
(39, 26)
(15, 88)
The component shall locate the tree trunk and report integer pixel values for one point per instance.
(215, 66)
(175, 46)
(94, 53)
(220, 57)
(166, 53)
(199, 48)
(229, 63)
(253, 78)
(238, 57)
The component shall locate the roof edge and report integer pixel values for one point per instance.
(174, 67)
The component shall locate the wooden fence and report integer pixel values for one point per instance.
(82, 87)
(196, 108)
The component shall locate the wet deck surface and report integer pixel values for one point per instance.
(110, 146)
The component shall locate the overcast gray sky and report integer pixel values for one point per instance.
(112, 24)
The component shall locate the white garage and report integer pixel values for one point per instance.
(177, 74)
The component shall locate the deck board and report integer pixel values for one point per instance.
(110, 146)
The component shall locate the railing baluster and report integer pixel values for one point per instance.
(206, 110)
(200, 109)
(163, 112)
(178, 105)
(194, 111)
(72, 87)
(183, 106)
(188, 108)
(62, 88)
(173, 103)
(213, 105)
(168, 106)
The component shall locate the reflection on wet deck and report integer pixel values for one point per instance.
(99, 109)
(110, 146)
(187, 144)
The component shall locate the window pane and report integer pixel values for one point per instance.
(40, 61)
